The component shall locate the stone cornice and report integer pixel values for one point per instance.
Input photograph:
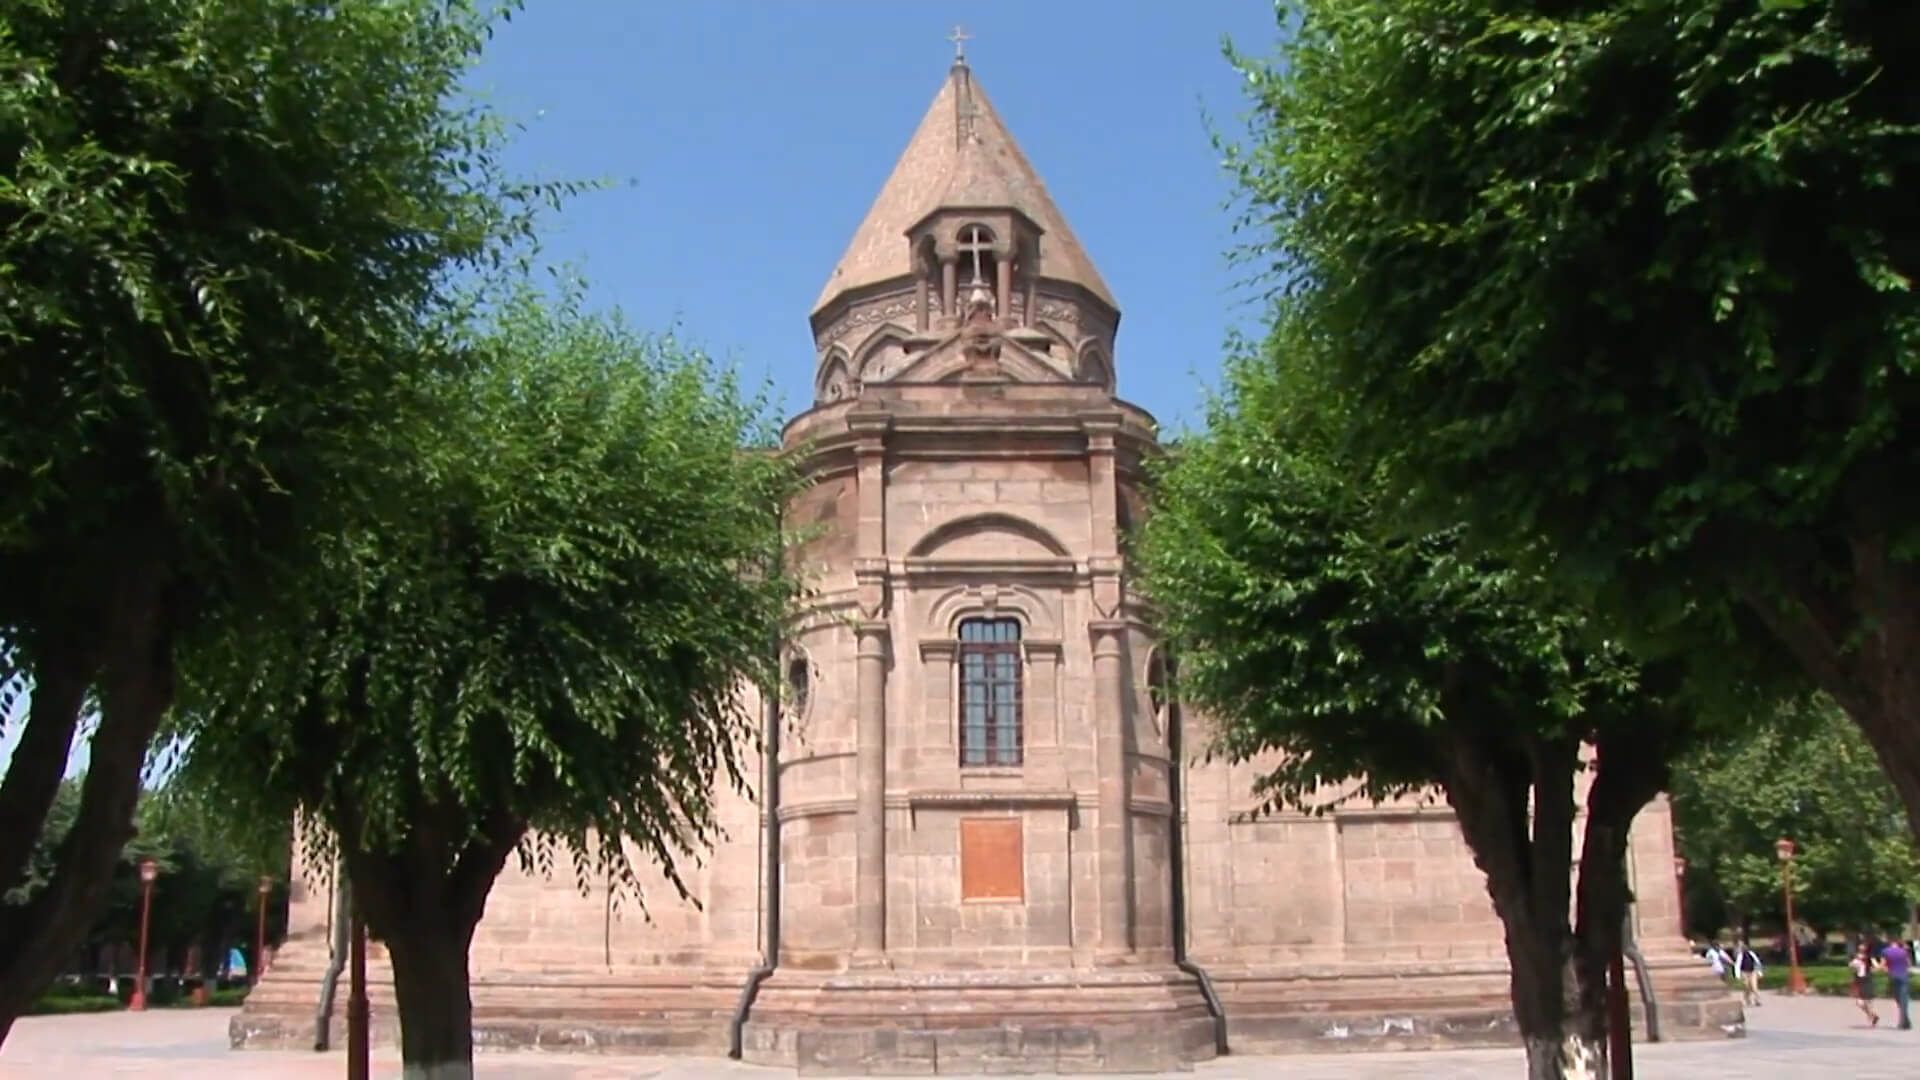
(1011, 571)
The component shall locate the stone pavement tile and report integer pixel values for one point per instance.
(1789, 1039)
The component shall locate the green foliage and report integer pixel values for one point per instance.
(210, 861)
(1308, 625)
(553, 636)
(216, 219)
(1827, 980)
(1632, 277)
(1377, 662)
(40, 864)
(62, 1002)
(1805, 773)
(230, 233)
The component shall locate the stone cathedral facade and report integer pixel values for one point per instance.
(988, 849)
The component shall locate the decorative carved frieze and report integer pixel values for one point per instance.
(898, 308)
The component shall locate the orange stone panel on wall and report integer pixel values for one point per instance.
(992, 859)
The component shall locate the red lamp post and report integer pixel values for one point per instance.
(260, 935)
(149, 871)
(1796, 982)
(1680, 890)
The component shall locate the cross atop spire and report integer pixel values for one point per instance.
(959, 37)
(961, 156)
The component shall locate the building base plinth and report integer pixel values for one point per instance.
(1306, 1011)
(925, 1023)
(656, 1011)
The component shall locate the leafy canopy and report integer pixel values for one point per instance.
(216, 219)
(210, 862)
(552, 638)
(1352, 659)
(1805, 772)
(229, 236)
(1633, 276)
(1308, 625)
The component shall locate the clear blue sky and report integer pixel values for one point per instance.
(744, 141)
(748, 139)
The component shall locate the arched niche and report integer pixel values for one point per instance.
(835, 381)
(989, 536)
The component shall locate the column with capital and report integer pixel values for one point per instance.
(1003, 288)
(870, 796)
(1113, 840)
(949, 286)
(870, 694)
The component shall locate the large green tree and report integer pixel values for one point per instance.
(210, 862)
(219, 220)
(543, 653)
(1804, 772)
(1635, 277)
(1380, 664)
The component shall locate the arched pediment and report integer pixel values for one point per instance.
(883, 355)
(990, 536)
(1093, 366)
(950, 360)
(1039, 615)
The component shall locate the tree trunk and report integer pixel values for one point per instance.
(1574, 1057)
(1629, 771)
(435, 1004)
(423, 900)
(1527, 860)
(336, 960)
(136, 687)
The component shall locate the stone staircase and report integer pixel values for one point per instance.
(654, 1010)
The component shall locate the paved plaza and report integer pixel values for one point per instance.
(1787, 1038)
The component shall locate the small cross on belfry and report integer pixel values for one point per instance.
(959, 37)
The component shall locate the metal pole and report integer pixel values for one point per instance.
(260, 932)
(139, 1002)
(1619, 1033)
(1796, 982)
(358, 1064)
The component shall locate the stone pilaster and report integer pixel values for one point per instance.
(1111, 839)
(870, 795)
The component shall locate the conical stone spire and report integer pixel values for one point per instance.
(961, 155)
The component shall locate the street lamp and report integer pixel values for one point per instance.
(149, 871)
(1680, 890)
(260, 935)
(1796, 982)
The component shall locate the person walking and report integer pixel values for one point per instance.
(1862, 967)
(1747, 968)
(1718, 959)
(1898, 964)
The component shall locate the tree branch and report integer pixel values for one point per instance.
(39, 760)
(480, 863)
(136, 688)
